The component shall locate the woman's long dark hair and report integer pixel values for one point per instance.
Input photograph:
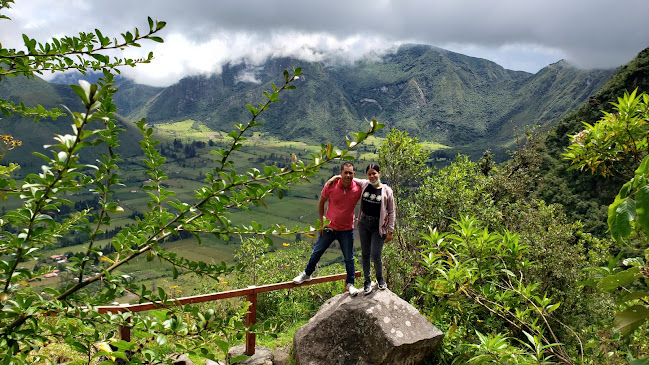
(373, 166)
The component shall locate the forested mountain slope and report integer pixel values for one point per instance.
(587, 196)
(461, 101)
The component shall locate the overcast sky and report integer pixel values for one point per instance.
(203, 35)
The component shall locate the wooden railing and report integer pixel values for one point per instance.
(250, 293)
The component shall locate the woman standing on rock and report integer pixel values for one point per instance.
(375, 225)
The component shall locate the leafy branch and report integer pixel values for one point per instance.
(85, 52)
(86, 48)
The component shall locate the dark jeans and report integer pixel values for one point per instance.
(346, 241)
(371, 246)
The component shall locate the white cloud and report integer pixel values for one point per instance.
(180, 55)
(201, 36)
(247, 76)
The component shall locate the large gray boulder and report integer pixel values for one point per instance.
(379, 328)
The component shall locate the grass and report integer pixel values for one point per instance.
(187, 129)
(433, 146)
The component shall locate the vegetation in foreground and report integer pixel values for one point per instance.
(508, 277)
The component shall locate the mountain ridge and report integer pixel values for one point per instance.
(467, 103)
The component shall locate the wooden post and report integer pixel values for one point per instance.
(251, 319)
(125, 331)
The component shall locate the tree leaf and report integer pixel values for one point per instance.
(619, 279)
(634, 295)
(161, 339)
(81, 93)
(238, 358)
(620, 215)
(223, 346)
(630, 319)
(78, 346)
(643, 169)
(642, 207)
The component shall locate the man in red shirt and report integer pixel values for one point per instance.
(342, 198)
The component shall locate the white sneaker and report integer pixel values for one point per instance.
(301, 278)
(352, 291)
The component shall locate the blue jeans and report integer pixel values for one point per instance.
(346, 241)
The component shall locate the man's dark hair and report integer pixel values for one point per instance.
(346, 163)
(373, 166)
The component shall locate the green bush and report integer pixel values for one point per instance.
(475, 283)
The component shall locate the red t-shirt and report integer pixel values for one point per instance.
(341, 204)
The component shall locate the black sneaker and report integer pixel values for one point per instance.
(382, 284)
(367, 287)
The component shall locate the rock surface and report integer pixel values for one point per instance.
(182, 359)
(262, 356)
(281, 355)
(379, 328)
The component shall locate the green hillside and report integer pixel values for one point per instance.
(34, 135)
(582, 194)
(131, 96)
(544, 99)
(468, 103)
